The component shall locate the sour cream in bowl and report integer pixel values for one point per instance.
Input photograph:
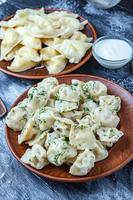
(112, 52)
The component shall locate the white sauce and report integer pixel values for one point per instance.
(113, 49)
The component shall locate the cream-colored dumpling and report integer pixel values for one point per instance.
(94, 89)
(38, 139)
(17, 116)
(100, 151)
(65, 106)
(29, 131)
(82, 137)
(45, 117)
(36, 157)
(58, 14)
(59, 151)
(110, 101)
(56, 64)
(63, 126)
(77, 85)
(74, 50)
(73, 115)
(47, 53)
(12, 53)
(50, 138)
(37, 97)
(24, 13)
(48, 84)
(83, 164)
(10, 40)
(13, 22)
(109, 136)
(51, 41)
(106, 117)
(30, 41)
(55, 90)
(89, 106)
(77, 35)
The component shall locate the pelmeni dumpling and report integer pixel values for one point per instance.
(17, 116)
(29, 131)
(51, 41)
(10, 40)
(37, 97)
(51, 137)
(30, 41)
(106, 117)
(88, 106)
(77, 35)
(38, 139)
(77, 85)
(45, 117)
(48, 84)
(60, 150)
(110, 101)
(36, 157)
(109, 136)
(13, 22)
(83, 164)
(59, 14)
(24, 13)
(74, 50)
(56, 64)
(73, 115)
(100, 151)
(12, 53)
(65, 106)
(47, 53)
(94, 89)
(63, 126)
(82, 137)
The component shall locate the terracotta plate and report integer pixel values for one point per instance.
(119, 155)
(41, 72)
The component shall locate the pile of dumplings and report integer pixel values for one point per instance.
(66, 124)
(32, 38)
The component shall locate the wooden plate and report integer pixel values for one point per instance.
(41, 72)
(119, 155)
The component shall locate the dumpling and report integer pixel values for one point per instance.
(77, 85)
(51, 41)
(67, 93)
(31, 42)
(106, 117)
(73, 115)
(58, 14)
(36, 157)
(60, 150)
(24, 13)
(100, 151)
(109, 136)
(55, 90)
(56, 64)
(38, 139)
(89, 106)
(94, 89)
(110, 101)
(82, 137)
(10, 40)
(74, 50)
(2, 32)
(45, 117)
(47, 53)
(12, 53)
(77, 35)
(65, 106)
(83, 164)
(51, 103)
(25, 58)
(63, 126)
(90, 121)
(29, 131)
(37, 97)
(50, 138)
(17, 116)
(48, 84)
(13, 22)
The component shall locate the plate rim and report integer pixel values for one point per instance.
(78, 178)
(76, 66)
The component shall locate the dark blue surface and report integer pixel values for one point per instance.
(17, 183)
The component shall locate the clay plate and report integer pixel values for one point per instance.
(119, 155)
(41, 72)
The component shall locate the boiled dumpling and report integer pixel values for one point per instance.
(50, 138)
(28, 132)
(51, 41)
(82, 137)
(74, 50)
(100, 151)
(38, 139)
(47, 53)
(109, 136)
(77, 35)
(73, 115)
(56, 64)
(10, 40)
(24, 13)
(58, 14)
(12, 53)
(89, 106)
(83, 164)
(60, 150)
(30, 41)
(65, 106)
(36, 157)
(110, 101)
(94, 89)
(13, 22)
(48, 84)
(106, 117)
(17, 116)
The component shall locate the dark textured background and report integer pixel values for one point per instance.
(17, 183)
